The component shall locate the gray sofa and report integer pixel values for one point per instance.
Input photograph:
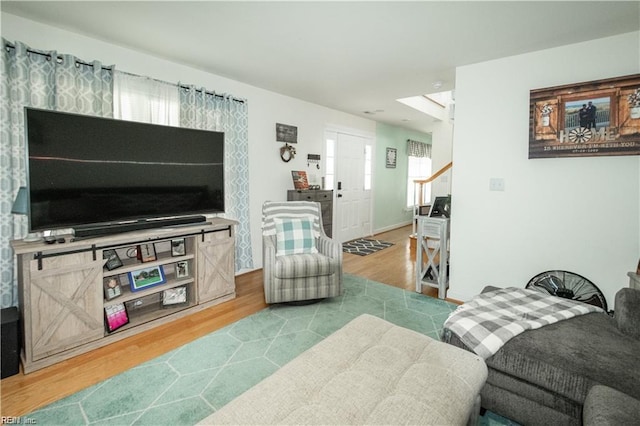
(543, 376)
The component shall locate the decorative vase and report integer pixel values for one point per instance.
(635, 112)
(545, 120)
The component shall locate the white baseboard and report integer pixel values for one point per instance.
(391, 227)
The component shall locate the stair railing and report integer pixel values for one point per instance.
(419, 186)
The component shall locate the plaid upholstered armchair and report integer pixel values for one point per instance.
(299, 261)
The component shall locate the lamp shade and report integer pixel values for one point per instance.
(21, 204)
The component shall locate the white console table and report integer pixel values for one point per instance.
(432, 254)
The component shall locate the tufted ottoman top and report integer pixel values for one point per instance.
(368, 372)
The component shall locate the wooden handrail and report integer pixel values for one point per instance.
(422, 182)
(435, 175)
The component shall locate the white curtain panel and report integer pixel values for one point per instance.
(138, 98)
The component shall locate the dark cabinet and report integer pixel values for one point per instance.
(324, 197)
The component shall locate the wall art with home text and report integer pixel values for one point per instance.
(596, 118)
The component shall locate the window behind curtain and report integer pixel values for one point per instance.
(419, 168)
(144, 99)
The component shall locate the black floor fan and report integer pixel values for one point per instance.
(568, 285)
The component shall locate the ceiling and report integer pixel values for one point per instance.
(350, 56)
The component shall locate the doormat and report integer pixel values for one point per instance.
(363, 247)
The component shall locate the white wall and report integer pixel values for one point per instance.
(269, 176)
(576, 214)
(442, 141)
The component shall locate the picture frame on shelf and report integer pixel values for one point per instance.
(146, 252)
(176, 296)
(116, 316)
(300, 180)
(146, 277)
(113, 261)
(178, 247)
(112, 287)
(182, 269)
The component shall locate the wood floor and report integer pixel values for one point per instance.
(22, 394)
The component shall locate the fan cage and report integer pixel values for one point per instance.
(568, 285)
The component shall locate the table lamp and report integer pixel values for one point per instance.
(21, 206)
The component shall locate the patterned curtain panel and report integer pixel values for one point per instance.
(418, 149)
(40, 79)
(204, 110)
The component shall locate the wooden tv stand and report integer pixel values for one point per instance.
(62, 286)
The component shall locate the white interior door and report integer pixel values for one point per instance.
(353, 197)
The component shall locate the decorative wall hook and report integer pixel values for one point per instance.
(287, 152)
(313, 159)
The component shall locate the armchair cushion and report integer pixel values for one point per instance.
(294, 236)
(304, 265)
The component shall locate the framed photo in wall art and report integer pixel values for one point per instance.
(590, 119)
(147, 277)
(392, 157)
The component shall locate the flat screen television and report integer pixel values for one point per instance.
(88, 172)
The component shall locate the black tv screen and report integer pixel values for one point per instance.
(85, 170)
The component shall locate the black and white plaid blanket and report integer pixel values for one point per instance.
(490, 319)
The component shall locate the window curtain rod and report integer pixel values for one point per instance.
(185, 87)
(58, 58)
(182, 86)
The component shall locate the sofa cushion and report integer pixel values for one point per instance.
(304, 265)
(606, 406)
(571, 356)
(627, 312)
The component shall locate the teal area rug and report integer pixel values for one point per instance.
(187, 384)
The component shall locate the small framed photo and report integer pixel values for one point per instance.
(146, 253)
(115, 316)
(178, 247)
(392, 156)
(174, 297)
(145, 278)
(286, 133)
(112, 287)
(113, 260)
(182, 269)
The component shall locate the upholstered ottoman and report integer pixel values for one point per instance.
(368, 372)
